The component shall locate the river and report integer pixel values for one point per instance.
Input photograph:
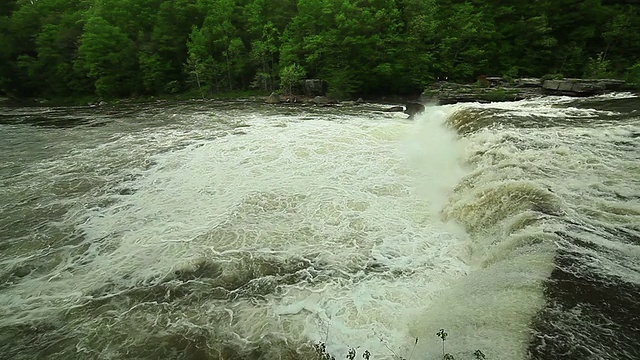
(237, 230)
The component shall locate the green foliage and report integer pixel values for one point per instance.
(598, 68)
(633, 75)
(443, 335)
(342, 82)
(499, 95)
(105, 54)
(289, 76)
(511, 74)
(152, 47)
(553, 77)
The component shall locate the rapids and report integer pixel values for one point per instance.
(216, 230)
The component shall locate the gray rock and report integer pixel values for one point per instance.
(314, 87)
(414, 108)
(528, 82)
(551, 84)
(321, 100)
(565, 86)
(581, 87)
(273, 99)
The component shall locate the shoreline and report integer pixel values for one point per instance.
(486, 90)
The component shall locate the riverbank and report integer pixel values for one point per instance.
(489, 89)
(94, 100)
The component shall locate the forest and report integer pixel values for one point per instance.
(124, 48)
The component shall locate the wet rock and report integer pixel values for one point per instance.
(413, 108)
(273, 99)
(323, 100)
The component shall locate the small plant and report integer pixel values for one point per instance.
(479, 355)
(443, 335)
(598, 68)
(482, 81)
(633, 75)
(352, 354)
(290, 75)
(511, 74)
(366, 355)
(321, 350)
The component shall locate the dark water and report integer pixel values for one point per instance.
(212, 230)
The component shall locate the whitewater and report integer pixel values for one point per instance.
(239, 230)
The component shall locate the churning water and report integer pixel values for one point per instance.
(209, 230)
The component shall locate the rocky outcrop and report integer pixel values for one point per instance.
(519, 89)
(581, 87)
(449, 93)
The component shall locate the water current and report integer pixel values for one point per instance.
(237, 230)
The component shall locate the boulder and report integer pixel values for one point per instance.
(414, 108)
(314, 87)
(273, 99)
(496, 81)
(323, 100)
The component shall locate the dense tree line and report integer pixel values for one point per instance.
(116, 48)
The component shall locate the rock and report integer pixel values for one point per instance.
(314, 87)
(528, 82)
(495, 81)
(273, 99)
(470, 93)
(359, 101)
(613, 84)
(22, 271)
(447, 93)
(581, 87)
(322, 100)
(414, 108)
